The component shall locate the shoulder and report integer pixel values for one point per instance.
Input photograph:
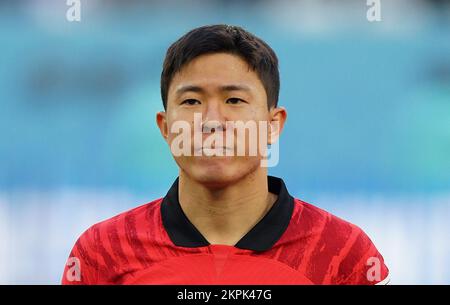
(133, 216)
(322, 222)
(96, 250)
(344, 247)
(118, 225)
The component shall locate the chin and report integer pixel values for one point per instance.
(219, 174)
(215, 176)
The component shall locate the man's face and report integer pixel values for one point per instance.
(221, 87)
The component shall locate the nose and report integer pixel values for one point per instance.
(212, 126)
(213, 118)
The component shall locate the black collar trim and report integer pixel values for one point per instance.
(260, 238)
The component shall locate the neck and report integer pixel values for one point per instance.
(225, 215)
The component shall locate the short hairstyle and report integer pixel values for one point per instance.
(228, 39)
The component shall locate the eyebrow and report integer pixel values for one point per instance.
(193, 88)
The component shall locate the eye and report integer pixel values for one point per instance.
(190, 102)
(235, 101)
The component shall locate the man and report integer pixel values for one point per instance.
(224, 220)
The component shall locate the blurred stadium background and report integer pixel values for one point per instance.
(367, 137)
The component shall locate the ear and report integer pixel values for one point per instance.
(278, 117)
(161, 121)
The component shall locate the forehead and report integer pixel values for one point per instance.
(215, 70)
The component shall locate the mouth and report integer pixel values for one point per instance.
(214, 151)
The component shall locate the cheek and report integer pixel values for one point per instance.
(260, 128)
(180, 121)
(247, 113)
(256, 112)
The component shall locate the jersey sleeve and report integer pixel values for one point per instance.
(366, 264)
(82, 267)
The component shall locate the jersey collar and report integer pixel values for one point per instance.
(260, 238)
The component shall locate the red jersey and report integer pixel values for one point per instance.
(294, 243)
